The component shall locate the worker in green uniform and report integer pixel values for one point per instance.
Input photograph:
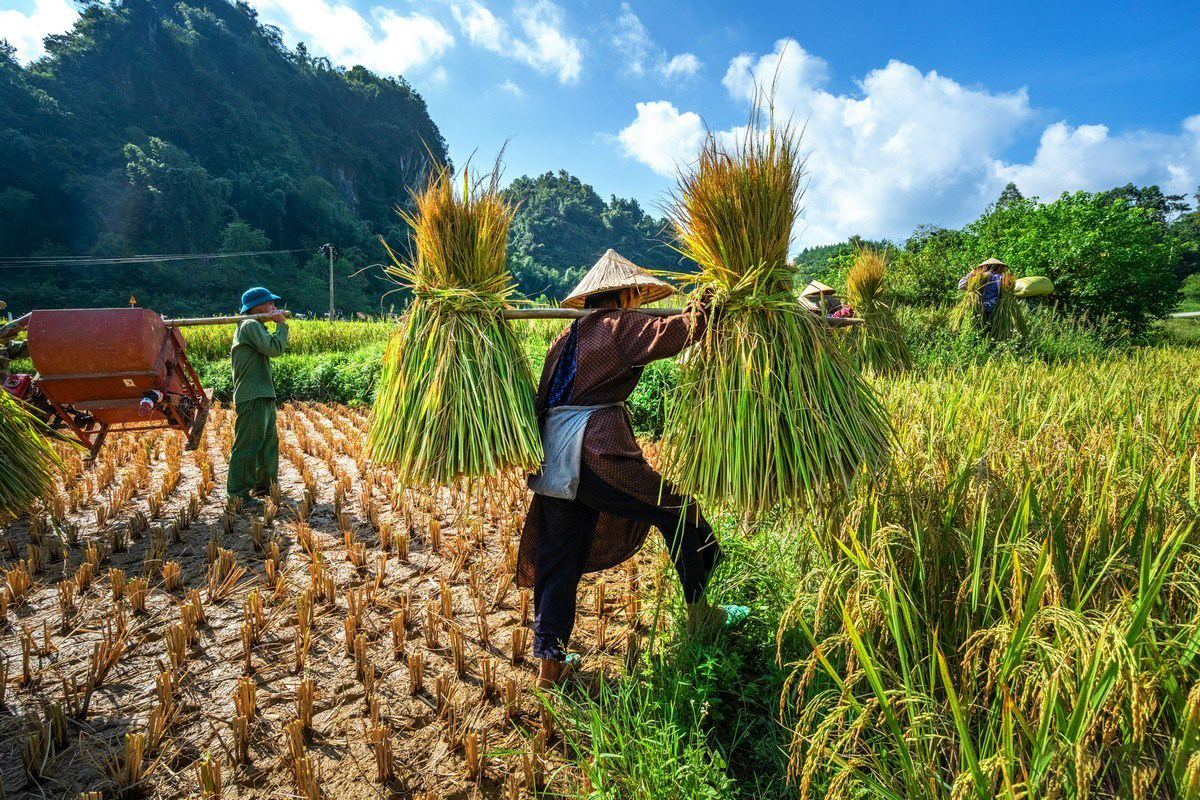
(254, 459)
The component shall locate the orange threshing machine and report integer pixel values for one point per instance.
(111, 370)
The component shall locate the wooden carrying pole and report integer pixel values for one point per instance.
(511, 313)
(576, 313)
(183, 323)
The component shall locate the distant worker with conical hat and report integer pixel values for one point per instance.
(596, 497)
(992, 274)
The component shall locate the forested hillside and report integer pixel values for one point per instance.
(163, 127)
(563, 226)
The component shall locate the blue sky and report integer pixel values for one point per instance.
(915, 114)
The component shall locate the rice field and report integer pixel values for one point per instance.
(1014, 608)
(305, 337)
(1010, 609)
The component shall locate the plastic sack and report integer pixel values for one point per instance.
(1033, 286)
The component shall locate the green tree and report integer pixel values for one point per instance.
(926, 270)
(1107, 256)
(184, 206)
(1010, 196)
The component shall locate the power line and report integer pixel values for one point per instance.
(18, 262)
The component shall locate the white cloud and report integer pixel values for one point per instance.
(542, 42)
(26, 31)
(545, 46)
(682, 66)
(1089, 157)
(633, 41)
(661, 137)
(481, 26)
(389, 43)
(912, 147)
(512, 88)
(790, 69)
(640, 54)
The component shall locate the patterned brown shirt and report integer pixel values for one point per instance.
(612, 349)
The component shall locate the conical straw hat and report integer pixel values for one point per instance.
(992, 262)
(613, 272)
(815, 288)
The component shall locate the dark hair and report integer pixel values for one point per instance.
(600, 298)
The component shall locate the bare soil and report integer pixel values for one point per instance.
(146, 507)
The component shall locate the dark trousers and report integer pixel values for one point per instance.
(254, 459)
(565, 539)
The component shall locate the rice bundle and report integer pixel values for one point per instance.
(769, 410)
(456, 392)
(29, 460)
(878, 344)
(967, 313)
(1006, 319)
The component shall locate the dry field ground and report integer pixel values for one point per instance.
(349, 639)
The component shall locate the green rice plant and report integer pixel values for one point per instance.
(769, 410)
(29, 460)
(1013, 609)
(305, 337)
(877, 346)
(455, 395)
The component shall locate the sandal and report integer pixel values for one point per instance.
(734, 615)
(571, 664)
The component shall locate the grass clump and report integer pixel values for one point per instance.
(455, 394)
(769, 410)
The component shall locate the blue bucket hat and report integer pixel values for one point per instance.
(256, 296)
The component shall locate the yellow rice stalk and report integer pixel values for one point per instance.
(968, 312)
(456, 392)
(1008, 320)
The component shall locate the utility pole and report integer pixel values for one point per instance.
(330, 251)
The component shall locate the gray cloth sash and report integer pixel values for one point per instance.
(562, 430)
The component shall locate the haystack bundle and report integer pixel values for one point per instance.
(877, 346)
(769, 409)
(456, 392)
(29, 462)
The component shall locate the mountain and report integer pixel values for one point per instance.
(159, 127)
